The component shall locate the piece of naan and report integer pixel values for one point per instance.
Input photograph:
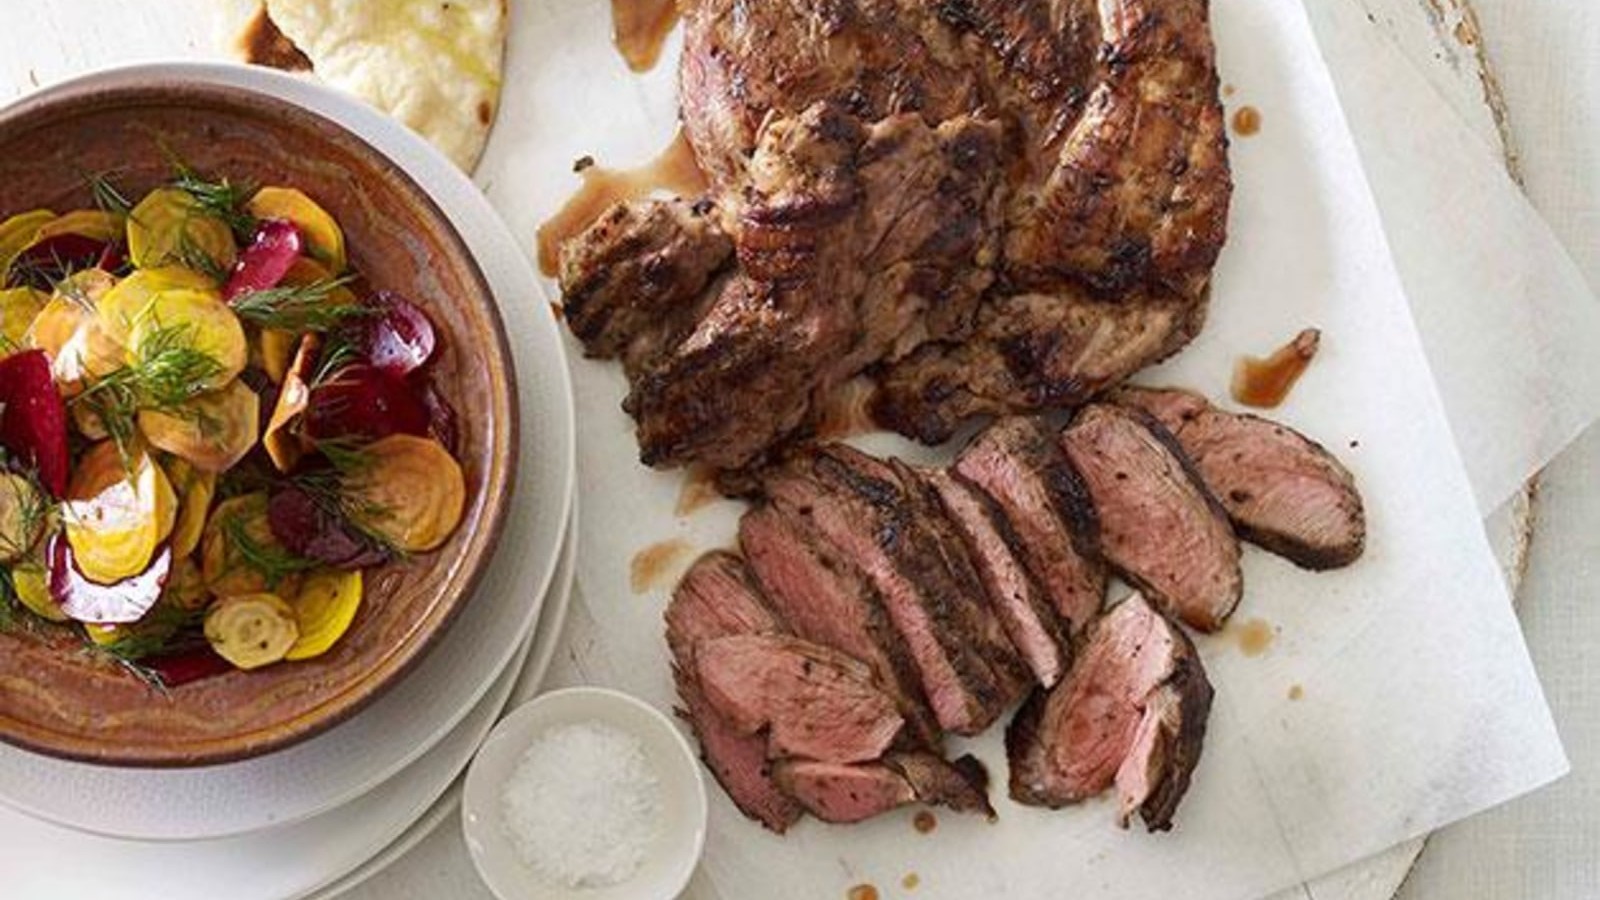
(433, 64)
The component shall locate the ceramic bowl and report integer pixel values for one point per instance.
(58, 700)
(671, 859)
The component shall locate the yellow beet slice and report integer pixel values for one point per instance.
(170, 228)
(411, 493)
(283, 445)
(196, 320)
(68, 329)
(277, 351)
(122, 305)
(23, 511)
(90, 223)
(116, 515)
(324, 239)
(32, 588)
(324, 608)
(16, 235)
(240, 555)
(251, 630)
(18, 308)
(213, 431)
(186, 588)
(195, 487)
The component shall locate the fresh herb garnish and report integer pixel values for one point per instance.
(167, 373)
(107, 197)
(272, 563)
(195, 257)
(34, 510)
(160, 631)
(224, 199)
(298, 307)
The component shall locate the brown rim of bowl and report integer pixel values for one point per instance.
(133, 89)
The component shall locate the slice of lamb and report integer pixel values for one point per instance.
(1159, 527)
(633, 281)
(717, 598)
(1282, 490)
(1030, 622)
(1017, 464)
(1132, 712)
(844, 794)
(827, 600)
(816, 703)
(869, 523)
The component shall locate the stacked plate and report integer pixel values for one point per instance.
(295, 822)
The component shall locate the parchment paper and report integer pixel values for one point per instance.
(1419, 704)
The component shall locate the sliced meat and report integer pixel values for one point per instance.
(1016, 463)
(1017, 599)
(853, 793)
(717, 598)
(1281, 489)
(1029, 353)
(1132, 712)
(815, 702)
(869, 522)
(827, 600)
(631, 283)
(1159, 527)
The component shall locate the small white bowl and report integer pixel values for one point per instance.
(670, 861)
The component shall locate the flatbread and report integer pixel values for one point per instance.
(433, 64)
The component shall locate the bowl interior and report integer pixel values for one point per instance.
(669, 862)
(58, 699)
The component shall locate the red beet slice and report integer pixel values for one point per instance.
(441, 418)
(273, 250)
(33, 421)
(105, 604)
(191, 665)
(112, 258)
(399, 338)
(308, 530)
(50, 260)
(365, 403)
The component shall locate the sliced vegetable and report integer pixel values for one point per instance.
(272, 252)
(324, 608)
(213, 431)
(33, 420)
(364, 403)
(324, 239)
(251, 630)
(198, 320)
(123, 305)
(441, 418)
(32, 586)
(176, 669)
(240, 555)
(18, 308)
(17, 232)
(48, 261)
(312, 531)
(23, 514)
(412, 492)
(117, 513)
(186, 589)
(95, 224)
(400, 339)
(282, 441)
(75, 337)
(277, 352)
(195, 487)
(86, 600)
(170, 227)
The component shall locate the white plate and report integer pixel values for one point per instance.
(335, 767)
(290, 862)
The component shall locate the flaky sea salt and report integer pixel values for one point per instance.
(583, 806)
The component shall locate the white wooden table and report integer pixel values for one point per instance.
(1526, 75)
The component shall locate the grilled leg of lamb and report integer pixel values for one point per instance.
(1159, 527)
(853, 793)
(1281, 489)
(1131, 713)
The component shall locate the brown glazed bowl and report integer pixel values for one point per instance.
(58, 699)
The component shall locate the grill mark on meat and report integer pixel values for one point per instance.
(853, 793)
(866, 520)
(1016, 597)
(1131, 713)
(827, 600)
(1015, 463)
(717, 598)
(812, 701)
(1282, 490)
(1159, 526)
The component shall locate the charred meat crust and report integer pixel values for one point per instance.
(1194, 694)
(846, 794)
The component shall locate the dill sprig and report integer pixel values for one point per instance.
(195, 257)
(222, 198)
(34, 510)
(273, 563)
(330, 488)
(167, 373)
(108, 198)
(49, 275)
(159, 631)
(339, 352)
(298, 308)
